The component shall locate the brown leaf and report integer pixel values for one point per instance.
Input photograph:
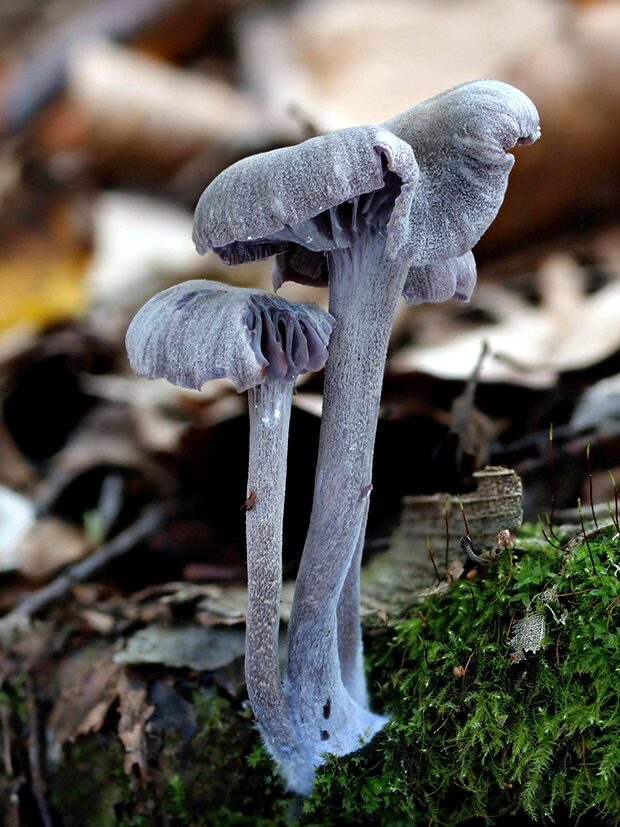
(50, 544)
(134, 714)
(87, 687)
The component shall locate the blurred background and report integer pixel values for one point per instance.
(116, 114)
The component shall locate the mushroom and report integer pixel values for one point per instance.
(201, 330)
(375, 212)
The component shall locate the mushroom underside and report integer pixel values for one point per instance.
(334, 228)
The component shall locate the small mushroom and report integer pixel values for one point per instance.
(201, 330)
(375, 212)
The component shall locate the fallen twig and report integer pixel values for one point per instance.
(16, 621)
(37, 785)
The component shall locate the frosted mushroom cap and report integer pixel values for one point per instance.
(461, 139)
(430, 180)
(448, 278)
(242, 214)
(202, 330)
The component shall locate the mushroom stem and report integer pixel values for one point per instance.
(350, 648)
(269, 407)
(364, 312)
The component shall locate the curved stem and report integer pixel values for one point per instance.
(269, 413)
(365, 286)
(350, 648)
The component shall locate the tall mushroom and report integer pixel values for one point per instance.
(201, 330)
(375, 212)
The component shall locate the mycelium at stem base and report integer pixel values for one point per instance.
(329, 719)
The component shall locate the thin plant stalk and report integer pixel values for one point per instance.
(613, 480)
(554, 488)
(550, 535)
(447, 518)
(432, 559)
(467, 532)
(590, 484)
(552, 468)
(613, 517)
(585, 537)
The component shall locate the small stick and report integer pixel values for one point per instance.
(151, 520)
(430, 554)
(36, 775)
(510, 624)
(590, 484)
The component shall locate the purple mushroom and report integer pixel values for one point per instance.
(376, 212)
(201, 330)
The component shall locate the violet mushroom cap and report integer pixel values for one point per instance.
(460, 139)
(289, 197)
(201, 330)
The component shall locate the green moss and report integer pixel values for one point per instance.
(220, 777)
(90, 785)
(538, 735)
(488, 719)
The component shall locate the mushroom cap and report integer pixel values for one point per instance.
(461, 140)
(201, 330)
(432, 179)
(256, 207)
(444, 279)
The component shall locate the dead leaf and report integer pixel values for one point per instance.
(17, 516)
(135, 106)
(187, 645)
(530, 344)
(134, 714)
(345, 57)
(87, 687)
(50, 544)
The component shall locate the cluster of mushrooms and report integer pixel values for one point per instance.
(374, 212)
